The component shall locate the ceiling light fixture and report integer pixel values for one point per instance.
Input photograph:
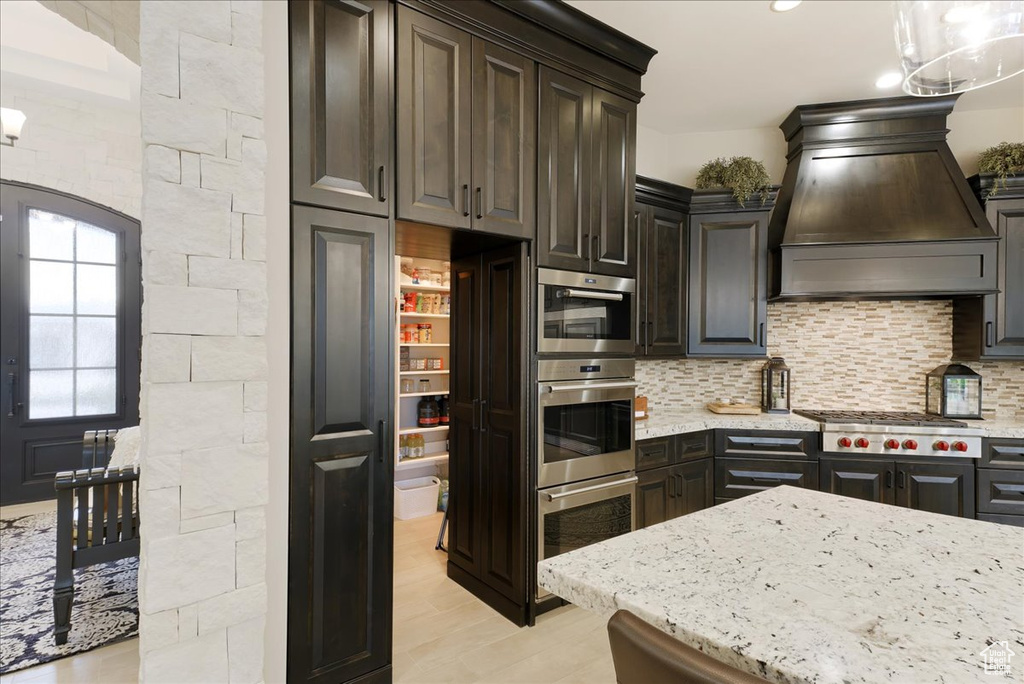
(890, 79)
(953, 47)
(11, 121)
(784, 5)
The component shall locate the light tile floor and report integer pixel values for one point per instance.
(442, 633)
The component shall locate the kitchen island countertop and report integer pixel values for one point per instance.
(663, 422)
(803, 586)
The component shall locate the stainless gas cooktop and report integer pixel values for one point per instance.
(895, 433)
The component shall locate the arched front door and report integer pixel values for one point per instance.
(70, 309)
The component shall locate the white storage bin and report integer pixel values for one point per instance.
(416, 498)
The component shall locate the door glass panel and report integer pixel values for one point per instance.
(51, 236)
(97, 342)
(587, 429)
(51, 394)
(96, 244)
(95, 392)
(72, 349)
(51, 342)
(97, 290)
(574, 528)
(52, 287)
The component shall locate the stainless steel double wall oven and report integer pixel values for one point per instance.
(585, 410)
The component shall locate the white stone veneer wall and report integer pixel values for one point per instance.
(77, 146)
(115, 21)
(202, 584)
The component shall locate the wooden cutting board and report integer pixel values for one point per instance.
(746, 409)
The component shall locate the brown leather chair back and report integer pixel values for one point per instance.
(643, 654)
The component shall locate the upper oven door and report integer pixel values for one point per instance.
(585, 430)
(584, 313)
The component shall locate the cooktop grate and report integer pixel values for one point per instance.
(881, 418)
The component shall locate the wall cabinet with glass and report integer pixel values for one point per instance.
(423, 290)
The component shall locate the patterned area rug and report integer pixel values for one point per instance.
(105, 610)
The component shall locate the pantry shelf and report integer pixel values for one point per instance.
(424, 394)
(418, 430)
(410, 463)
(425, 344)
(425, 288)
(424, 372)
(413, 314)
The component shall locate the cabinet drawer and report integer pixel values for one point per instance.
(736, 477)
(1002, 453)
(662, 451)
(1001, 491)
(1015, 520)
(764, 443)
(655, 453)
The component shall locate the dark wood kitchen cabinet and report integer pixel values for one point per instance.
(341, 115)
(466, 130)
(946, 487)
(661, 268)
(1001, 481)
(488, 465)
(859, 479)
(340, 504)
(992, 327)
(586, 173)
(738, 477)
(672, 491)
(727, 282)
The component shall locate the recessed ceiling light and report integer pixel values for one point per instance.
(784, 5)
(890, 79)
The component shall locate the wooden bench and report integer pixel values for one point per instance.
(97, 520)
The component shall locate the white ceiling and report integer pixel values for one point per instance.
(734, 65)
(41, 48)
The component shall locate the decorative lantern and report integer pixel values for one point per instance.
(775, 386)
(953, 391)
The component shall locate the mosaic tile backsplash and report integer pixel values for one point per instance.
(843, 355)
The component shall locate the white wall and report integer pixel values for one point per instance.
(275, 47)
(76, 145)
(677, 158)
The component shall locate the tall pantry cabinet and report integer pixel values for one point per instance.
(426, 112)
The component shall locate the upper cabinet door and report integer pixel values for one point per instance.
(341, 109)
(665, 289)
(563, 172)
(727, 284)
(504, 141)
(613, 185)
(1007, 334)
(434, 121)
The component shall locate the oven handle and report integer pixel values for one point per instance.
(593, 488)
(590, 386)
(592, 294)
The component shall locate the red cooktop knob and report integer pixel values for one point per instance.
(892, 444)
(941, 446)
(845, 442)
(959, 446)
(909, 444)
(862, 443)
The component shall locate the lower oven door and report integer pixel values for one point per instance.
(577, 515)
(585, 429)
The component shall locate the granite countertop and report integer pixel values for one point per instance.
(662, 422)
(803, 586)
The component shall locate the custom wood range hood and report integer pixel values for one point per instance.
(873, 206)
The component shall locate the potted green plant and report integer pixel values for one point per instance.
(743, 175)
(1002, 160)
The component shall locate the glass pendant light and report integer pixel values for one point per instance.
(953, 47)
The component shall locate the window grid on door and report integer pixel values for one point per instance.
(73, 324)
